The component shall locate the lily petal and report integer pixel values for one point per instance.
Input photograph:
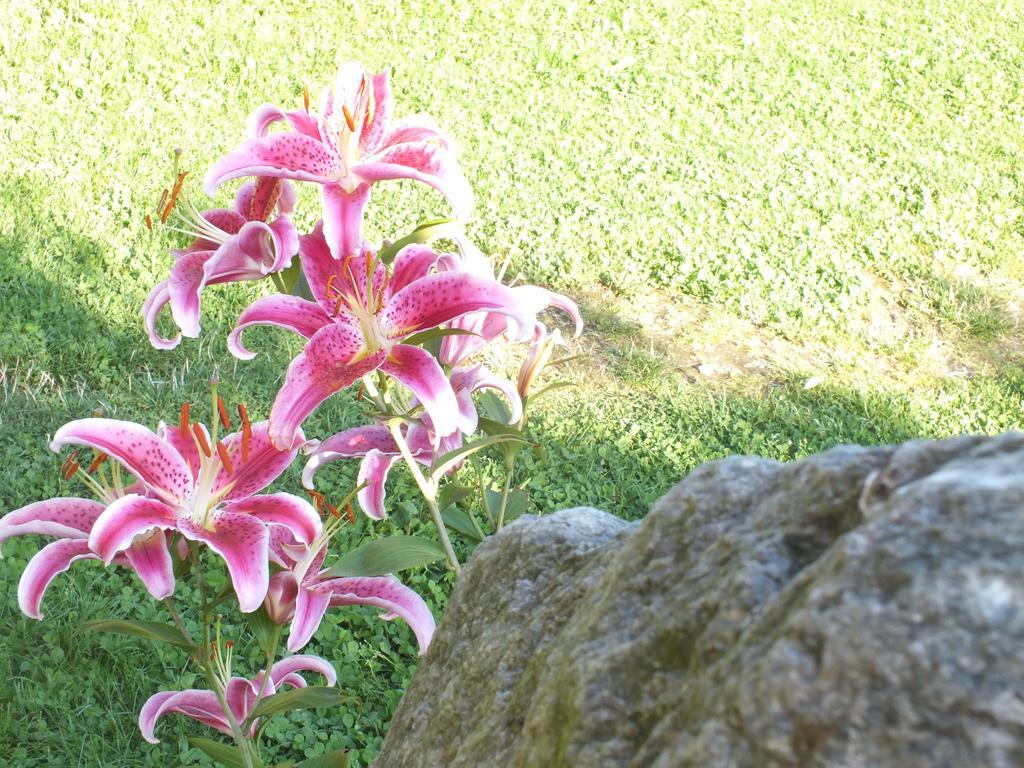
(343, 219)
(329, 362)
(68, 518)
(243, 542)
(412, 262)
(281, 155)
(131, 515)
(357, 441)
(534, 299)
(187, 280)
(291, 312)
(415, 128)
(388, 593)
(310, 607)
(305, 662)
(249, 255)
(374, 472)
(158, 298)
(199, 705)
(435, 299)
(185, 445)
(144, 454)
(295, 514)
(56, 557)
(418, 370)
(474, 378)
(263, 466)
(424, 161)
(149, 557)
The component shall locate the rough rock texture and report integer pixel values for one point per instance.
(862, 607)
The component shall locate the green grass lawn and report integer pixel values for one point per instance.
(790, 225)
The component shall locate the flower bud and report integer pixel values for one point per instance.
(280, 599)
(536, 359)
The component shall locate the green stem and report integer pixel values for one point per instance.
(428, 487)
(271, 652)
(236, 730)
(510, 466)
(169, 602)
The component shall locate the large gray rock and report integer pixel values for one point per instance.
(862, 607)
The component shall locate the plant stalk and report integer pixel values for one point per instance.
(428, 487)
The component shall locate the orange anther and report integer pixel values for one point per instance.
(349, 120)
(100, 458)
(243, 414)
(149, 222)
(223, 413)
(183, 420)
(200, 435)
(332, 509)
(350, 514)
(71, 469)
(359, 394)
(305, 97)
(175, 191)
(224, 458)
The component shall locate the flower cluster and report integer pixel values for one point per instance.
(402, 320)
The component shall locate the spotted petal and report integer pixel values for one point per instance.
(436, 299)
(357, 441)
(295, 514)
(418, 370)
(343, 219)
(199, 705)
(243, 542)
(306, 663)
(263, 465)
(425, 161)
(144, 454)
(150, 559)
(130, 516)
(52, 559)
(281, 155)
(158, 298)
(290, 312)
(330, 361)
(374, 472)
(310, 607)
(388, 593)
(67, 518)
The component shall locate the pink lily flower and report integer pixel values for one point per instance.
(200, 487)
(350, 145)
(378, 450)
(70, 520)
(242, 696)
(485, 327)
(312, 592)
(361, 314)
(229, 246)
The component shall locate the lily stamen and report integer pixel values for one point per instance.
(225, 459)
(222, 412)
(100, 458)
(184, 420)
(200, 438)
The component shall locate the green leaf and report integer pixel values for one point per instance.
(491, 427)
(494, 407)
(387, 555)
(151, 630)
(262, 627)
(425, 232)
(452, 458)
(226, 754)
(452, 493)
(518, 503)
(460, 521)
(337, 759)
(299, 698)
(418, 339)
(551, 388)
